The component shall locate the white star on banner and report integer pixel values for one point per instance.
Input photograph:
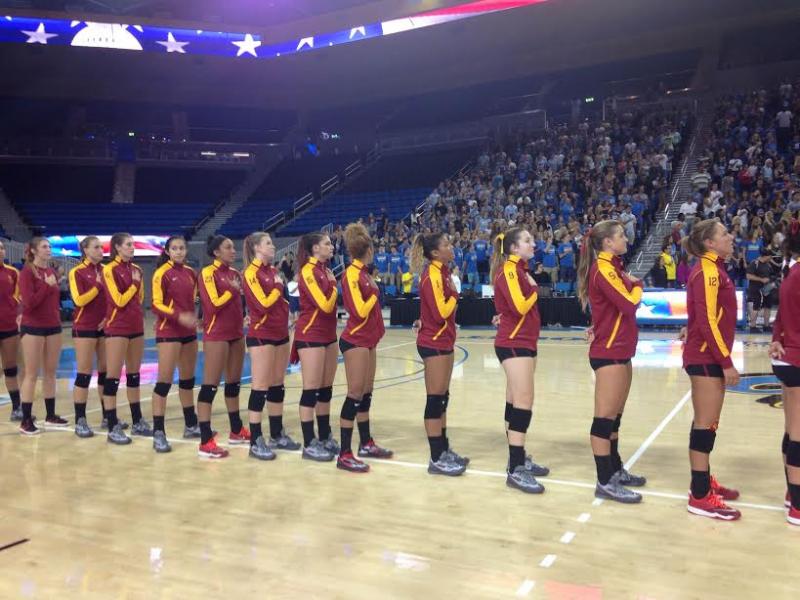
(308, 41)
(248, 46)
(172, 45)
(362, 30)
(40, 36)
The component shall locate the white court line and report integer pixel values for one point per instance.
(584, 518)
(657, 431)
(525, 588)
(548, 561)
(567, 537)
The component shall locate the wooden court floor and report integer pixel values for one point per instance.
(123, 522)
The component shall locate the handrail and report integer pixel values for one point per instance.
(328, 185)
(275, 220)
(302, 203)
(352, 168)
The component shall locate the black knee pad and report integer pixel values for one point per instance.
(793, 454)
(207, 393)
(433, 406)
(445, 401)
(82, 380)
(308, 398)
(366, 402)
(702, 440)
(520, 420)
(132, 380)
(276, 394)
(12, 372)
(325, 394)
(602, 428)
(257, 400)
(509, 410)
(617, 423)
(785, 443)
(162, 388)
(232, 390)
(349, 409)
(186, 384)
(101, 378)
(110, 387)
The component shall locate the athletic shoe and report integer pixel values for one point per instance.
(536, 469)
(622, 477)
(283, 442)
(28, 427)
(726, 493)
(317, 451)
(261, 450)
(446, 466)
(142, 428)
(372, 450)
(191, 432)
(211, 450)
(793, 516)
(524, 480)
(614, 491)
(56, 421)
(712, 506)
(16, 415)
(348, 462)
(122, 424)
(462, 460)
(331, 445)
(118, 437)
(160, 443)
(241, 438)
(82, 429)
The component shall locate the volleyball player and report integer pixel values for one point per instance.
(124, 331)
(358, 344)
(711, 304)
(223, 344)
(174, 293)
(40, 331)
(315, 344)
(9, 331)
(614, 297)
(515, 296)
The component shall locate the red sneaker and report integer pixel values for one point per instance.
(56, 421)
(712, 506)
(241, 438)
(372, 450)
(348, 462)
(793, 516)
(211, 450)
(719, 490)
(27, 427)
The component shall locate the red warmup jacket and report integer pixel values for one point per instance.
(515, 300)
(124, 298)
(41, 306)
(711, 304)
(613, 298)
(221, 298)
(365, 320)
(438, 301)
(174, 293)
(318, 294)
(9, 298)
(266, 304)
(786, 328)
(86, 289)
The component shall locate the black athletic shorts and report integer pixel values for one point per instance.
(182, 340)
(425, 352)
(251, 342)
(40, 331)
(705, 371)
(302, 345)
(7, 334)
(789, 375)
(127, 336)
(88, 333)
(599, 363)
(344, 346)
(506, 353)
(760, 301)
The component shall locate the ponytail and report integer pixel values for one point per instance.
(30, 248)
(250, 243)
(305, 247)
(694, 243)
(592, 244)
(422, 249)
(85, 243)
(502, 248)
(163, 258)
(116, 240)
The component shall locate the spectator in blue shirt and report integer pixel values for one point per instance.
(550, 258)
(481, 248)
(396, 268)
(471, 267)
(382, 263)
(566, 259)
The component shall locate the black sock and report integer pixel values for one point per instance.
(80, 410)
(605, 468)
(437, 447)
(255, 433)
(235, 421)
(507, 415)
(136, 412)
(363, 432)
(308, 431)
(616, 460)
(516, 457)
(784, 450)
(275, 426)
(111, 415)
(701, 484)
(50, 406)
(15, 402)
(205, 432)
(26, 410)
(189, 416)
(347, 440)
(445, 441)
(794, 495)
(158, 423)
(324, 425)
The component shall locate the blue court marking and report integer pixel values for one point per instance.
(750, 384)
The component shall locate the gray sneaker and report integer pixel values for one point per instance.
(116, 436)
(16, 415)
(446, 465)
(524, 480)
(317, 451)
(331, 445)
(191, 432)
(260, 450)
(82, 429)
(455, 457)
(622, 477)
(160, 443)
(537, 469)
(614, 491)
(142, 428)
(283, 442)
(122, 424)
